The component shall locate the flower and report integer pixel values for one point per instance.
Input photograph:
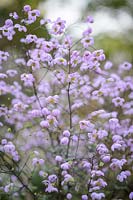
(87, 41)
(118, 101)
(66, 133)
(37, 161)
(51, 188)
(123, 175)
(90, 19)
(131, 195)
(69, 196)
(58, 158)
(64, 141)
(27, 8)
(97, 196)
(27, 79)
(84, 197)
(65, 166)
(52, 178)
(58, 26)
(125, 66)
(44, 124)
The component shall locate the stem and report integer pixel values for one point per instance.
(12, 171)
(77, 146)
(38, 100)
(88, 186)
(69, 104)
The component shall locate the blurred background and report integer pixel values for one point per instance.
(113, 27)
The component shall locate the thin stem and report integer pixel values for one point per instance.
(38, 100)
(69, 103)
(77, 146)
(12, 171)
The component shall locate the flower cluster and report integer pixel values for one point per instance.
(66, 128)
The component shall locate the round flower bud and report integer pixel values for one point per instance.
(58, 158)
(27, 8)
(44, 124)
(64, 141)
(84, 197)
(69, 196)
(66, 133)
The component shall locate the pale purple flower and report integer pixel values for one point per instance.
(34, 64)
(58, 158)
(52, 99)
(116, 146)
(99, 55)
(27, 79)
(47, 46)
(42, 174)
(97, 196)
(32, 16)
(117, 164)
(51, 188)
(56, 113)
(69, 196)
(108, 65)
(52, 178)
(87, 41)
(64, 141)
(8, 187)
(60, 61)
(116, 138)
(9, 148)
(74, 138)
(11, 72)
(44, 124)
(113, 123)
(90, 19)
(86, 164)
(14, 15)
(102, 149)
(102, 133)
(87, 32)
(8, 31)
(97, 173)
(45, 111)
(58, 26)
(20, 61)
(131, 196)
(45, 21)
(86, 124)
(27, 8)
(52, 120)
(35, 113)
(125, 66)
(67, 43)
(65, 166)
(8, 23)
(75, 58)
(84, 197)
(4, 141)
(20, 28)
(2, 76)
(37, 161)
(73, 77)
(99, 182)
(3, 56)
(30, 38)
(123, 175)
(19, 106)
(118, 101)
(66, 133)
